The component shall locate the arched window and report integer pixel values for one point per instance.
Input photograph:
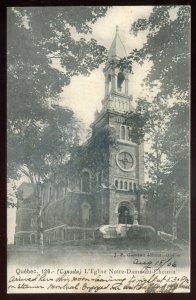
(130, 186)
(121, 184)
(122, 132)
(116, 183)
(85, 182)
(129, 129)
(125, 185)
(120, 82)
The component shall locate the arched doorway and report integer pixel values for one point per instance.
(124, 216)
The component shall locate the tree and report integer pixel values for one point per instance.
(168, 46)
(164, 121)
(38, 151)
(37, 37)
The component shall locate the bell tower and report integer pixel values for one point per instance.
(124, 172)
(116, 80)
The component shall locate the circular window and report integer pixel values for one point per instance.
(125, 160)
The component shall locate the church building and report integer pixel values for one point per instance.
(100, 186)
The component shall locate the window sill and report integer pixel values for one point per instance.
(126, 142)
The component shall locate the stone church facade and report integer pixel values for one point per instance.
(104, 173)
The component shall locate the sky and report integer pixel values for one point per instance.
(84, 94)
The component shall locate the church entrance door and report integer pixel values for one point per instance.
(124, 216)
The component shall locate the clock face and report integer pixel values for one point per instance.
(125, 161)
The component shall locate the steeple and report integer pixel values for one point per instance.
(117, 49)
(116, 79)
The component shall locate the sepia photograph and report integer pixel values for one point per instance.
(98, 149)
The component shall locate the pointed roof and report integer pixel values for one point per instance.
(117, 49)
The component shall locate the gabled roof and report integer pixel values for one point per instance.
(117, 49)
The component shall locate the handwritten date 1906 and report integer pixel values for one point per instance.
(157, 265)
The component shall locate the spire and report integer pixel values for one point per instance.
(117, 49)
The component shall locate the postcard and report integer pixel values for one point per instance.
(98, 142)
